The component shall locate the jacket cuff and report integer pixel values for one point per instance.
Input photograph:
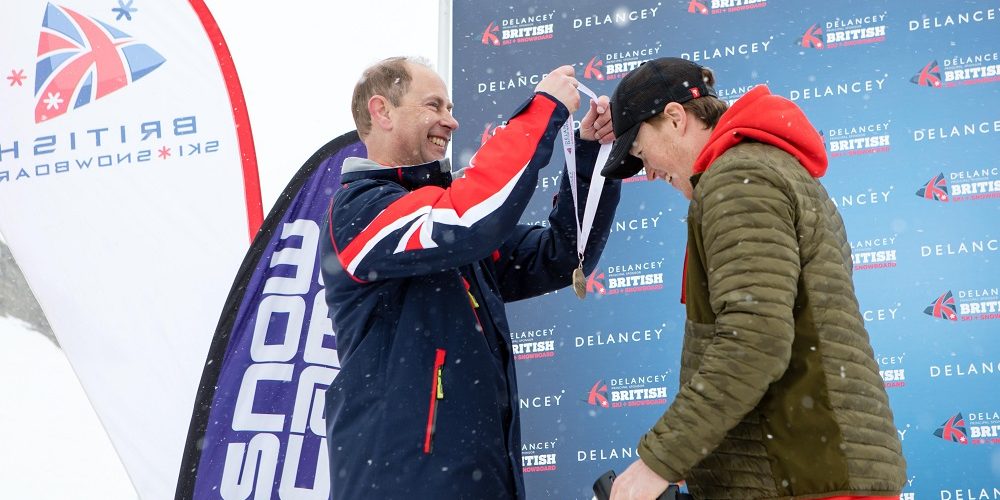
(591, 147)
(653, 462)
(561, 113)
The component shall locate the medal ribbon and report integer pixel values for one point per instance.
(596, 180)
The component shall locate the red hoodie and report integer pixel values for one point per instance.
(763, 117)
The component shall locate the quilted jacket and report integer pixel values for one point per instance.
(780, 395)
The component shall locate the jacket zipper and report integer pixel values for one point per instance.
(437, 392)
(474, 304)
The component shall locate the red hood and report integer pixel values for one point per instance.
(763, 117)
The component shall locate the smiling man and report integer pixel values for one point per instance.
(780, 395)
(417, 268)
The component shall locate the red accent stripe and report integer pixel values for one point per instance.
(50, 42)
(414, 242)
(500, 161)
(329, 217)
(244, 134)
(432, 412)
(400, 208)
(472, 305)
(113, 75)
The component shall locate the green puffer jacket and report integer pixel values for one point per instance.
(780, 395)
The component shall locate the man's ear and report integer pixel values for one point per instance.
(675, 116)
(675, 113)
(379, 109)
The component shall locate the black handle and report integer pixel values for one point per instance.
(602, 487)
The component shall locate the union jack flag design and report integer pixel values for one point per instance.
(943, 307)
(936, 189)
(953, 430)
(81, 59)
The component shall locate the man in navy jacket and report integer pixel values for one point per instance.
(417, 269)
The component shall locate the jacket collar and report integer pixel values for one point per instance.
(694, 179)
(435, 173)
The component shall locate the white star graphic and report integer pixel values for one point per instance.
(52, 101)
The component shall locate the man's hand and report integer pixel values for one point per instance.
(638, 482)
(561, 84)
(596, 126)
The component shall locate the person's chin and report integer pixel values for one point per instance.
(437, 155)
(438, 152)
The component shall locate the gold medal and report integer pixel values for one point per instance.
(579, 282)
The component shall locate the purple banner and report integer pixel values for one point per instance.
(259, 427)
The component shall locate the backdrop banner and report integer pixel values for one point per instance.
(907, 97)
(128, 192)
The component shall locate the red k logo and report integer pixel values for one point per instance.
(489, 38)
(591, 71)
(696, 7)
(812, 38)
(943, 307)
(598, 395)
(593, 283)
(929, 76)
(953, 430)
(935, 189)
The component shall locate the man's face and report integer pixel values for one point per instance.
(664, 154)
(422, 122)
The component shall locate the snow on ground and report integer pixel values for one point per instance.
(52, 446)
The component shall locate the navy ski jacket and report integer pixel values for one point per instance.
(417, 269)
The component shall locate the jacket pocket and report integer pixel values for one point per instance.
(437, 392)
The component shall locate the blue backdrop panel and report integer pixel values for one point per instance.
(906, 95)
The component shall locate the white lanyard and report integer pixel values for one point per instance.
(593, 195)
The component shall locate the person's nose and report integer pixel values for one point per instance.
(449, 121)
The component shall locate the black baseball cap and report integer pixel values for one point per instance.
(642, 95)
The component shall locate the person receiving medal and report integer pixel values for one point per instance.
(780, 395)
(417, 268)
